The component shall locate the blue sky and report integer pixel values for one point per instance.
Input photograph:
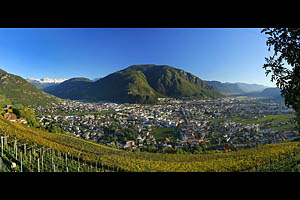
(223, 54)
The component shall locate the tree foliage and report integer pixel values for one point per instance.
(286, 45)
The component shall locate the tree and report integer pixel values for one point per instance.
(54, 129)
(113, 127)
(179, 151)
(197, 148)
(286, 44)
(16, 112)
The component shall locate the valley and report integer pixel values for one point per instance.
(149, 100)
(140, 120)
(174, 125)
(28, 149)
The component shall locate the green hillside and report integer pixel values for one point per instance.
(73, 88)
(144, 83)
(124, 86)
(173, 82)
(16, 90)
(140, 84)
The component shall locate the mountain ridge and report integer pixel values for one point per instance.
(44, 82)
(16, 90)
(268, 92)
(70, 88)
(142, 84)
(48, 80)
(237, 88)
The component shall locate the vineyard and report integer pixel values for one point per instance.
(25, 149)
(21, 158)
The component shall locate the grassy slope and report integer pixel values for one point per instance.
(16, 90)
(172, 82)
(129, 161)
(162, 133)
(123, 86)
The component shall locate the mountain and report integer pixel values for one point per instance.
(268, 92)
(16, 90)
(235, 88)
(225, 88)
(73, 88)
(44, 82)
(48, 80)
(251, 87)
(232, 89)
(138, 84)
(272, 92)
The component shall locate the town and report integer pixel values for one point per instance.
(174, 125)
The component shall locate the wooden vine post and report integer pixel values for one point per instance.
(42, 157)
(1, 146)
(38, 164)
(52, 159)
(16, 152)
(14, 146)
(25, 149)
(30, 156)
(66, 159)
(78, 162)
(21, 161)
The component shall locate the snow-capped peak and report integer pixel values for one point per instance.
(48, 80)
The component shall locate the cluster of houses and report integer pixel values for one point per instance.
(193, 122)
(9, 115)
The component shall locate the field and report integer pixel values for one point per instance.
(162, 133)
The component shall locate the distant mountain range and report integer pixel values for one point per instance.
(145, 83)
(136, 84)
(45, 82)
(268, 92)
(236, 88)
